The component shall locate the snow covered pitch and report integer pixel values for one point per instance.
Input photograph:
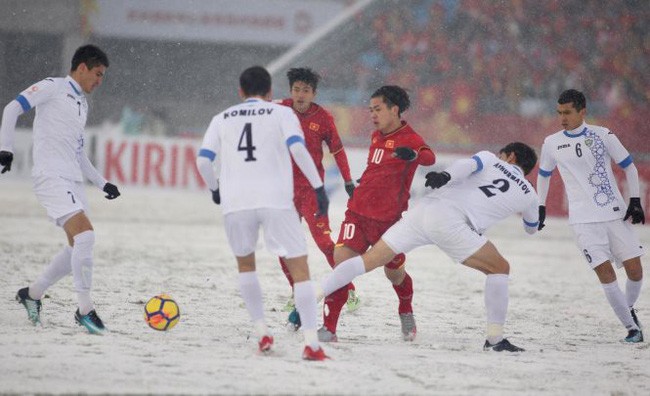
(149, 242)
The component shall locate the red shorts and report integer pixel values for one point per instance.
(359, 233)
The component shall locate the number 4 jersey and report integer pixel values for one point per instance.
(494, 191)
(250, 141)
(584, 158)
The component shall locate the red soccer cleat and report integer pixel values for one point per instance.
(266, 343)
(317, 355)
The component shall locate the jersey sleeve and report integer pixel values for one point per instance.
(616, 150)
(38, 93)
(531, 216)
(547, 162)
(208, 155)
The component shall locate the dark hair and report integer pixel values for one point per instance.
(526, 157)
(89, 54)
(573, 96)
(394, 96)
(255, 81)
(304, 74)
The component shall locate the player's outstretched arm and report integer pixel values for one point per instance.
(10, 116)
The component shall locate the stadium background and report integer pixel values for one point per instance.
(480, 73)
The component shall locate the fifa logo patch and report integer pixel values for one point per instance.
(390, 143)
(313, 126)
(589, 142)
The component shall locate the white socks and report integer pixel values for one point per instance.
(251, 292)
(632, 291)
(305, 298)
(618, 303)
(82, 269)
(496, 304)
(59, 267)
(343, 274)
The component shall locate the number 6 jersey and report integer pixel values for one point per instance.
(493, 191)
(584, 158)
(250, 141)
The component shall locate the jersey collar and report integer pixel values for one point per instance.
(75, 85)
(579, 131)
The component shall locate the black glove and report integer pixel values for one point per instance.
(323, 201)
(405, 153)
(634, 210)
(437, 179)
(111, 191)
(542, 217)
(216, 197)
(349, 188)
(5, 160)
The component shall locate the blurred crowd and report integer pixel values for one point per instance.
(512, 55)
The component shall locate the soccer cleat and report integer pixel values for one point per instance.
(408, 326)
(503, 345)
(294, 320)
(90, 321)
(266, 343)
(317, 355)
(290, 305)
(636, 320)
(32, 306)
(353, 301)
(325, 335)
(634, 336)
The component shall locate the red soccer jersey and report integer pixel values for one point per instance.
(318, 127)
(383, 190)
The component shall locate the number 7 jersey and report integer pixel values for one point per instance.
(250, 141)
(584, 161)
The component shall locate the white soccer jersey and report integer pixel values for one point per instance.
(494, 191)
(61, 111)
(250, 141)
(584, 158)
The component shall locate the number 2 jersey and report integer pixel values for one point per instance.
(583, 157)
(494, 191)
(251, 141)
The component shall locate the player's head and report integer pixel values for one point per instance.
(302, 85)
(386, 107)
(522, 155)
(255, 81)
(393, 96)
(571, 108)
(88, 67)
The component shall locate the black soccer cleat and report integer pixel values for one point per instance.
(634, 336)
(503, 345)
(32, 306)
(90, 321)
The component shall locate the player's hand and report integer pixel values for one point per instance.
(323, 201)
(111, 191)
(349, 188)
(635, 211)
(437, 179)
(542, 217)
(405, 153)
(216, 197)
(6, 158)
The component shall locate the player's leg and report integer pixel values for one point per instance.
(627, 250)
(634, 272)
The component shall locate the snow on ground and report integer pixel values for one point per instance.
(150, 242)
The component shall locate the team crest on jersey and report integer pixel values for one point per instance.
(589, 142)
(314, 127)
(390, 143)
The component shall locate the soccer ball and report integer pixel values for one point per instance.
(161, 312)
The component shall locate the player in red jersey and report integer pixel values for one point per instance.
(318, 127)
(382, 195)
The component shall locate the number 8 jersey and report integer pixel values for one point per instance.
(250, 141)
(584, 158)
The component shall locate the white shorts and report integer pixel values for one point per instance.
(613, 241)
(283, 233)
(60, 197)
(430, 222)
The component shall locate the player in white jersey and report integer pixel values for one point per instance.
(60, 162)
(251, 145)
(478, 192)
(597, 212)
